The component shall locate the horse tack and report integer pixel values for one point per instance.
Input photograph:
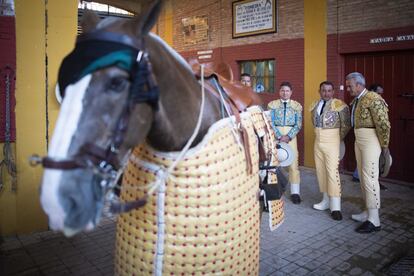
(262, 123)
(211, 211)
(214, 87)
(211, 198)
(104, 161)
(276, 207)
(239, 95)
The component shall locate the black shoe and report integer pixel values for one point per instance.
(336, 215)
(354, 179)
(367, 227)
(383, 187)
(295, 198)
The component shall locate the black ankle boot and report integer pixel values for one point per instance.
(336, 215)
(295, 198)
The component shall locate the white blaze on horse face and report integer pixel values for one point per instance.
(66, 126)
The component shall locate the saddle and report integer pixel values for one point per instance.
(239, 95)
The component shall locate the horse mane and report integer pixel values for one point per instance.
(174, 53)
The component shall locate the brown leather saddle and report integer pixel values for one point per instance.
(239, 95)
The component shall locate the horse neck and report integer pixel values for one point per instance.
(179, 103)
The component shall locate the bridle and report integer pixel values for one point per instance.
(104, 162)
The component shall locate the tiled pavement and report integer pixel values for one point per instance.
(311, 243)
(308, 243)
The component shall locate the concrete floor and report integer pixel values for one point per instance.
(308, 243)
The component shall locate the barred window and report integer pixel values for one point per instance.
(262, 74)
(102, 10)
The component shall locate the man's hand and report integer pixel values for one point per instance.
(385, 151)
(285, 139)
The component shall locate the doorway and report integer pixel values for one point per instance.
(395, 71)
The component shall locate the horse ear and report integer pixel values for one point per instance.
(147, 19)
(89, 21)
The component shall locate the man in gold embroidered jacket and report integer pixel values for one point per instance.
(331, 121)
(369, 117)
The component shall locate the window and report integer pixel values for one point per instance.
(262, 74)
(102, 10)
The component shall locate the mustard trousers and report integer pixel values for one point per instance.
(367, 152)
(294, 175)
(326, 153)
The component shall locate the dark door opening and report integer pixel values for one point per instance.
(395, 71)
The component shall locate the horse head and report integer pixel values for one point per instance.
(110, 101)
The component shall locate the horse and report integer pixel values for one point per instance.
(123, 86)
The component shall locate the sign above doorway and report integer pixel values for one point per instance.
(387, 39)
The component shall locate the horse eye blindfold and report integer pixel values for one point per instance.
(90, 56)
(100, 50)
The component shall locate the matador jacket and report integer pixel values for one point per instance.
(335, 115)
(290, 116)
(371, 111)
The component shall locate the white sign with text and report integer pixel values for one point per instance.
(253, 17)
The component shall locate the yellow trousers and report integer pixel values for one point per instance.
(294, 175)
(326, 148)
(367, 152)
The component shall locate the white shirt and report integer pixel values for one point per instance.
(320, 104)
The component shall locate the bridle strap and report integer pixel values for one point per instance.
(241, 129)
(88, 152)
(97, 154)
(125, 207)
(50, 163)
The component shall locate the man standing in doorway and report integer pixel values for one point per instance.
(286, 115)
(331, 120)
(380, 90)
(369, 117)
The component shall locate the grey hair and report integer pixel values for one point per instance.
(358, 77)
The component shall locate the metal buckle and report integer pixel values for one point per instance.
(35, 160)
(139, 56)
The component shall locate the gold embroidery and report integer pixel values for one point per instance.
(372, 112)
(296, 106)
(335, 115)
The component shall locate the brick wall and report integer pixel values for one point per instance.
(353, 23)
(346, 16)
(289, 23)
(288, 56)
(188, 8)
(289, 65)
